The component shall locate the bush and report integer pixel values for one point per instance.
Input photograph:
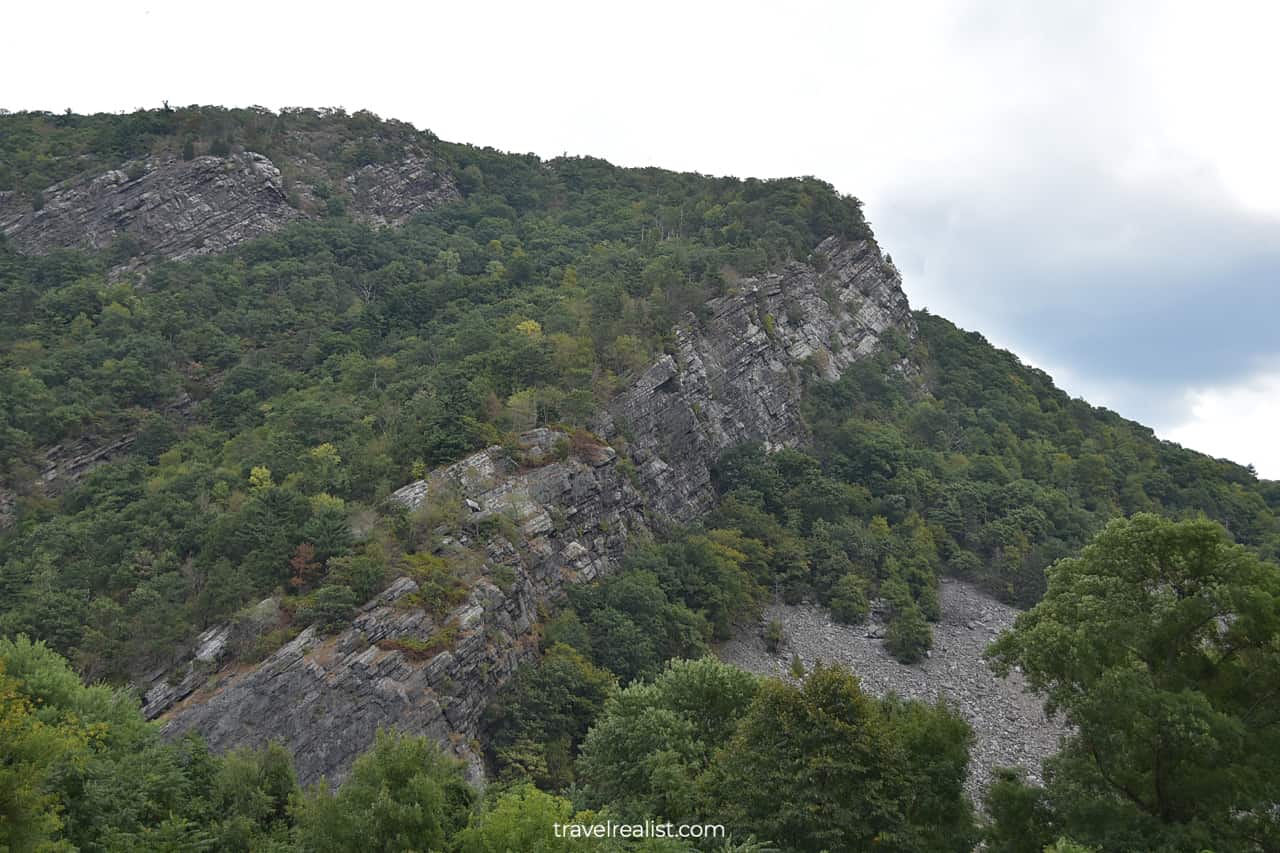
(416, 648)
(328, 608)
(774, 635)
(909, 636)
(849, 600)
(440, 587)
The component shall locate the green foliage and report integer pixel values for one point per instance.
(417, 648)
(1161, 645)
(523, 819)
(329, 607)
(31, 750)
(826, 767)
(402, 795)
(645, 754)
(278, 393)
(908, 637)
(774, 635)
(633, 625)
(849, 599)
(80, 770)
(537, 722)
(1004, 471)
(439, 584)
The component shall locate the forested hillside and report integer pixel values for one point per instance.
(261, 404)
(336, 361)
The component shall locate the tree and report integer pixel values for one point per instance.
(849, 599)
(250, 795)
(645, 753)
(537, 722)
(404, 794)
(524, 819)
(1161, 645)
(260, 479)
(81, 770)
(31, 750)
(304, 570)
(774, 636)
(824, 766)
(909, 636)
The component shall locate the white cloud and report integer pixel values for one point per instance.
(1237, 422)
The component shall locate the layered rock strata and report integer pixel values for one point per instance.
(167, 208)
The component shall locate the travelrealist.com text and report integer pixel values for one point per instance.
(648, 829)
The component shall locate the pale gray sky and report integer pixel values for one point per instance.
(1093, 185)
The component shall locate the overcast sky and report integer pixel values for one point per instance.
(1092, 185)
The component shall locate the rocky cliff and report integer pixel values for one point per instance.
(734, 375)
(324, 697)
(171, 208)
(563, 512)
(166, 207)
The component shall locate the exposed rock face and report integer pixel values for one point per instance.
(734, 377)
(172, 208)
(390, 193)
(326, 697)
(1009, 724)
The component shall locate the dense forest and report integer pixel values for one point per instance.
(279, 392)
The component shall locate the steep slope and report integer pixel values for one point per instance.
(735, 376)
(182, 441)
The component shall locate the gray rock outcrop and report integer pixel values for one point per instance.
(325, 697)
(170, 208)
(562, 514)
(391, 193)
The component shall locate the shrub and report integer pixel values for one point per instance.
(774, 635)
(909, 636)
(420, 649)
(439, 586)
(849, 600)
(328, 608)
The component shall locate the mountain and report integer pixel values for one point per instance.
(316, 424)
(573, 505)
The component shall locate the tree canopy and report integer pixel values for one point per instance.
(1160, 643)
